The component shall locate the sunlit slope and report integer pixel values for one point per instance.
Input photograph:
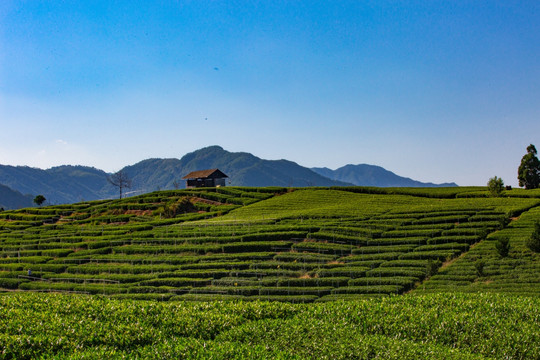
(321, 203)
(296, 245)
(483, 269)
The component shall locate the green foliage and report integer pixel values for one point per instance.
(430, 326)
(479, 265)
(432, 267)
(495, 186)
(299, 245)
(533, 242)
(39, 200)
(171, 210)
(529, 169)
(503, 246)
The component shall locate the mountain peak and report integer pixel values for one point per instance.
(372, 175)
(67, 183)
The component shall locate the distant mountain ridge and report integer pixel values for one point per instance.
(59, 185)
(68, 184)
(243, 169)
(12, 199)
(372, 175)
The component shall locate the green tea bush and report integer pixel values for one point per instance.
(405, 281)
(383, 249)
(418, 273)
(375, 289)
(312, 282)
(176, 282)
(327, 248)
(443, 246)
(380, 256)
(465, 239)
(416, 240)
(352, 272)
(533, 243)
(412, 233)
(441, 255)
(300, 290)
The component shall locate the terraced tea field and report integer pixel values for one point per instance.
(293, 245)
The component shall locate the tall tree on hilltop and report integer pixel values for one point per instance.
(121, 180)
(529, 169)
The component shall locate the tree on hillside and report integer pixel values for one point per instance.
(39, 200)
(495, 186)
(529, 169)
(121, 180)
(534, 241)
(503, 246)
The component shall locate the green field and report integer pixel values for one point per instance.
(400, 253)
(436, 326)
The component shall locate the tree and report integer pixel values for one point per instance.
(534, 241)
(529, 169)
(40, 199)
(121, 180)
(503, 246)
(432, 267)
(495, 186)
(479, 266)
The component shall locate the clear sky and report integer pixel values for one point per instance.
(434, 90)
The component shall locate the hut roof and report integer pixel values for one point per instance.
(210, 173)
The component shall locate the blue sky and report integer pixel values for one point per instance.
(434, 90)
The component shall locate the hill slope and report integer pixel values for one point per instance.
(287, 244)
(295, 245)
(243, 169)
(12, 199)
(371, 175)
(246, 169)
(61, 184)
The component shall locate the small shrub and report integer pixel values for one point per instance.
(432, 267)
(479, 266)
(533, 242)
(503, 246)
(495, 186)
(171, 210)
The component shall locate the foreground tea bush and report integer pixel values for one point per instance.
(451, 326)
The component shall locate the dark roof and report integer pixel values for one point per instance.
(210, 173)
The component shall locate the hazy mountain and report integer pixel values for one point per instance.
(12, 199)
(371, 175)
(67, 184)
(61, 184)
(243, 169)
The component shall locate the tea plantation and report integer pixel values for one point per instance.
(132, 278)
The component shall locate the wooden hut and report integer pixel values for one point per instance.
(205, 178)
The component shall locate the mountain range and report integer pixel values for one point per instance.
(371, 175)
(67, 183)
